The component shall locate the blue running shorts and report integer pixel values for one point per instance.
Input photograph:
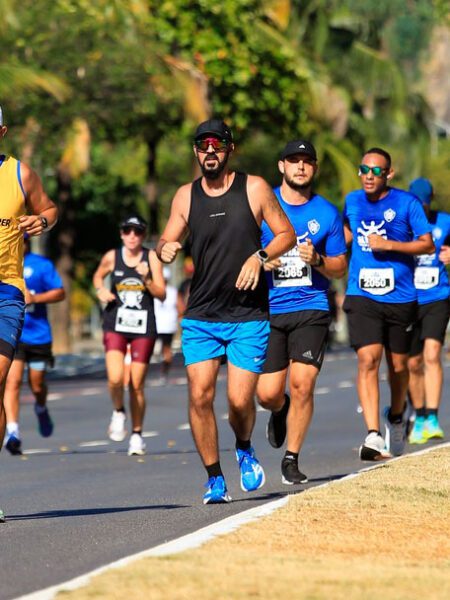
(12, 312)
(244, 343)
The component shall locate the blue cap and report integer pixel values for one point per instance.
(423, 189)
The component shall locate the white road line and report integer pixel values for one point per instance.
(54, 396)
(322, 390)
(345, 384)
(37, 451)
(201, 536)
(149, 434)
(224, 416)
(94, 443)
(91, 392)
(183, 427)
(259, 408)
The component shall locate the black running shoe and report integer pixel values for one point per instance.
(14, 445)
(276, 427)
(45, 423)
(290, 474)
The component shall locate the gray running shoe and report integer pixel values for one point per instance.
(395, 435)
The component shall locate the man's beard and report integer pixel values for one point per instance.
(213, 173)
(298, 187)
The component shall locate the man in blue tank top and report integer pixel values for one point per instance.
(387, 227)
(227, 312)
(433, 290)
(299, 309)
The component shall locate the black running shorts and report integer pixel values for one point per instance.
(371, 322)
(299, 336)
(31, 353)
(432, 321)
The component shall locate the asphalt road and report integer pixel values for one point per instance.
(76, 501)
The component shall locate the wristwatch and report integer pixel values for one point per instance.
(262, 256)
(320, 261)
(44, 222)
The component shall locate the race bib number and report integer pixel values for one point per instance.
(377, 281)
(131, 321)
(292, 273)
(426, 278)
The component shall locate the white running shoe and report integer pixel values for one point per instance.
(136, 446)
(373, 448)
(116, 430)
(395, 435)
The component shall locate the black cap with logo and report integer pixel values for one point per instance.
(134, 221)
(214, 127)
(299, 147)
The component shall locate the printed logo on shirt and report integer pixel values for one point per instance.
(131, 292)
(213, 215)
(118, 273)
(389, 215)
(366, 230)
(437, 233)
(308, 354)
(313, 226)
(27, 272)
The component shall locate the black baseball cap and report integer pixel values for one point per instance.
(299, 147)
(134, 221)
(214, 127)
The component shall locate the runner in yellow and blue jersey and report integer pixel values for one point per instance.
(21, 192)
(433, 290)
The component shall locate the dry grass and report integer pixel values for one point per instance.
(385, 534)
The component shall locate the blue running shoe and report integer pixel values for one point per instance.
(217, 492)
(14, 445)
(252, 473)
(45, 423)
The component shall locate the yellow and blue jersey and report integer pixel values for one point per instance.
(12, 206)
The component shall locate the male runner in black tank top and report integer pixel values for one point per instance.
(227, 312)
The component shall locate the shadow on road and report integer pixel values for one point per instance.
(86, 512)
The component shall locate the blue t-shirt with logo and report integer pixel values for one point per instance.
(430, 275)
(383, 276)
(40, 276)
(296, 285)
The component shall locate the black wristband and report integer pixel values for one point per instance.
(320, 262)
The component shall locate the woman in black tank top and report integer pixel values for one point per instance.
(129, 324)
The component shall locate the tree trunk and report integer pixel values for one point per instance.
(63, 243)
(151, 194)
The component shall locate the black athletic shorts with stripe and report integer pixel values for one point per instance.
(298, 336)
(431, 323)
(371, 322)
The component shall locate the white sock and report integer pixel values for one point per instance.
(13, 427)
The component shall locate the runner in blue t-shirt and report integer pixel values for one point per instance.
(433, 290)
(43, 286)
(387, 227)
(299, 310)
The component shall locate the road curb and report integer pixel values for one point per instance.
(205, 534)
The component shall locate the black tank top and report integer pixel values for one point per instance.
(132, 313)
(223, 233)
